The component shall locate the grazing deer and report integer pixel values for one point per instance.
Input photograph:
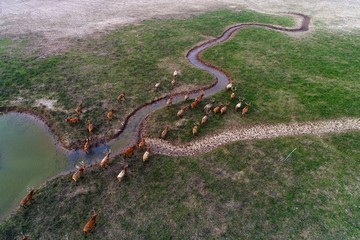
(129, 151)
(72, 120)
(233, 94)
(164, 132)
(23, 237)
(224, 108)
(181, 112)
(110, 114)
(27, 198)
(157, 85)
(122, 173)
(194, 104)
(78, 109)
(90, 224)
(204, 119)
(105, 161)
(169, 101)
(175, 74)
(246, 109)
(90, 126)
(86, 145)
(229, 86)
(79, 172)
(173, 82)
(200, 97)
(186, 97)
(237, 106)
(195, 128)
(217, 108)
(121, 97)
(141, 143)
(208, 106)
(146, 155)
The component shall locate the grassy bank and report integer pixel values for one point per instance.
(97, 70)
(286, 78)
(240, 191)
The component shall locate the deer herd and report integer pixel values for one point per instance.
(105, 161)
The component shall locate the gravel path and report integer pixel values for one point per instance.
(252, 133)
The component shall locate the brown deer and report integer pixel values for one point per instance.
(224, 108)
(129, 151)
(246, 109)
(86, 145)
(181, 112)
(200, 97)
(237, 106)
(27, 198)
(121, 97)
(173, 82)
(90, 224)
(186, 97)
(233, 94)
(122, 173)
(90, 126)
(72, 120)
(164, 132)
(141, 143)
(194, 104)
(208, 106)
(169, 101)
(78, 109)
(195, 128)
(204, 119)
(105, 161)
(110, 114)
(217, 108)
(79, 172)
(146, 155)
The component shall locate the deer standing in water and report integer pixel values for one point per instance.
(105, 161)
(146, 155)
(72, 120)
(246, 109)
(79, 172)
(122, 173)
(164, 132)
(87, 145)
(90, 224)
(27, 198)
(110, 114)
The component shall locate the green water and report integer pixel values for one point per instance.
(28, 156)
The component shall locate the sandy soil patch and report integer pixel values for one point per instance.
(55, 22)
(48, 103)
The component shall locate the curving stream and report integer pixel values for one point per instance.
(29, 153)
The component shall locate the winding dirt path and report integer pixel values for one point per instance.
(209, 143)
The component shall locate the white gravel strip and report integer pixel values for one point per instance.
(256, 132)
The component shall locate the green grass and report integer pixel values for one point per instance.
(239, 191)
(95, 71)
(286, 78)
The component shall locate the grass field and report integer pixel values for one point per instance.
(97, 70)
(239, 191)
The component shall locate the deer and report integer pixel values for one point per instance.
(204, 119)
(122, 173)
(110, 114)
(146, 155)
(175, 74)
(157, 86)
(141, 143)
(233, 94)
(195, 128)
(169, 101)
(72, 120)
(79, 172)
(164, 132)
(181, 112)
(237, 106)
(229, 86)
(105, 161)
(129, 151)
(217, 108)
(78, 109)
(121, 97)
(27, 198)
(200, 97)
(194, 104)
(208, 106)
(186, 97)
(90, 224)
(246, 109)
(224, 109)
(173, 82)
(87, 145)
(90, 126)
